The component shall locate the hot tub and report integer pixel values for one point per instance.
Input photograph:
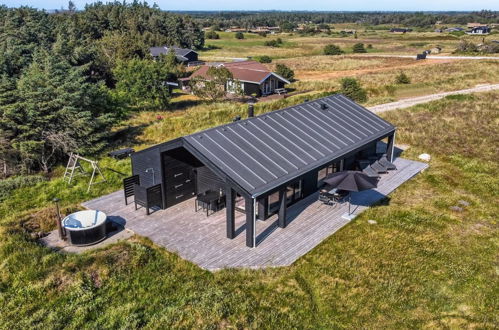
(85, 227)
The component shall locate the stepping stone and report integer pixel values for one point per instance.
(456, 208)
(425, 157)
(463, 203)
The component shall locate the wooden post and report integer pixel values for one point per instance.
(263, 207)
(390, 147)
(249, 206)
(62, 235)
(230, 207)
(282, 208)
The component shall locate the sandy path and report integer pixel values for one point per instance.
(406, 103)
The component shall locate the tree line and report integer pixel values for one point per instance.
(289, 20)
(67, 77)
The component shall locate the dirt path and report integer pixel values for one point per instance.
(406, 103)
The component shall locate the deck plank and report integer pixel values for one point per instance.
(202, 240)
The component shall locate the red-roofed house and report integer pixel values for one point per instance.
(253, 76)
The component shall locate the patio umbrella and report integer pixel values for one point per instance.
(351, 181)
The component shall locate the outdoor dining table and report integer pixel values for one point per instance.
(209, 201)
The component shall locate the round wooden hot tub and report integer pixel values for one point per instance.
(85, 227)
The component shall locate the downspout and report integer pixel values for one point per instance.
(393, 147)
(254, 222)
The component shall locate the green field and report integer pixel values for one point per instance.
(421, 265)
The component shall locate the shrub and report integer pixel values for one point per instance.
(273, 43)
(351, 88)
(402, 78)
(332, 50)
(359, 48)
(10, 184)
(239, 35)
(370, 46)
(285, 72)
(265, 59)
(211, 35)
(467, 47)
(262, 34)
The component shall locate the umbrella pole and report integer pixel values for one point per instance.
(349, 202)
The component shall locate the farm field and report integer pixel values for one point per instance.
(294, 45)
(348, 281)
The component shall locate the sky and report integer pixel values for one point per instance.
(311, 5)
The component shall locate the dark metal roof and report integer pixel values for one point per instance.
(263, 152)
(179, 52)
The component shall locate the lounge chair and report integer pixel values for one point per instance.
(378, 167)
(366, 168)
(386, 163)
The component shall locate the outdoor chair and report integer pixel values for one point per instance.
(148, 197)
(210, 200)
(378, 167)
(386, 163)
(365, 166)
(128, 184)
(327, 198)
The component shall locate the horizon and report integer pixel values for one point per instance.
(293, 6)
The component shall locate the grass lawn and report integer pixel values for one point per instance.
(421, 265)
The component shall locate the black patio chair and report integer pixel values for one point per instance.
(148, 197)
(386, 163)
(378, 167)
(327, 198)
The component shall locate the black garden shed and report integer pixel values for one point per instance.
(263, 164)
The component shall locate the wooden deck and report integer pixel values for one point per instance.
(202, 240)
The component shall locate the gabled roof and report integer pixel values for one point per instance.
(163, 50)
(246, 71)
(264, 152)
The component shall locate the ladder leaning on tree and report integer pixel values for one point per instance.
(74, 164)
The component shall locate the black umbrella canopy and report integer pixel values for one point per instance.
(351, 181)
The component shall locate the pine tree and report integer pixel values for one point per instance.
(56, 111)
(359, 48)
(332, 50)
(351, 88)
(285, 72)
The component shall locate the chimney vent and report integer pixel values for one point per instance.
(251, 110)
(323, 106)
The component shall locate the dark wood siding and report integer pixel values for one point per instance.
(148, 160)
(192, 56)
(250, 89)
(179, 177)
(207, 180)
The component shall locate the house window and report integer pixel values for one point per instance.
(325, 171)
(293, 194)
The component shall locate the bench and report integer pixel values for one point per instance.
(280, 91)
(121, 153)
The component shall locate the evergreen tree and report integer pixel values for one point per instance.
(55, 111)
(285, 72)
(239, 35)
(402, 78)
(351, 88)
(359, 48)
(332, 50)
